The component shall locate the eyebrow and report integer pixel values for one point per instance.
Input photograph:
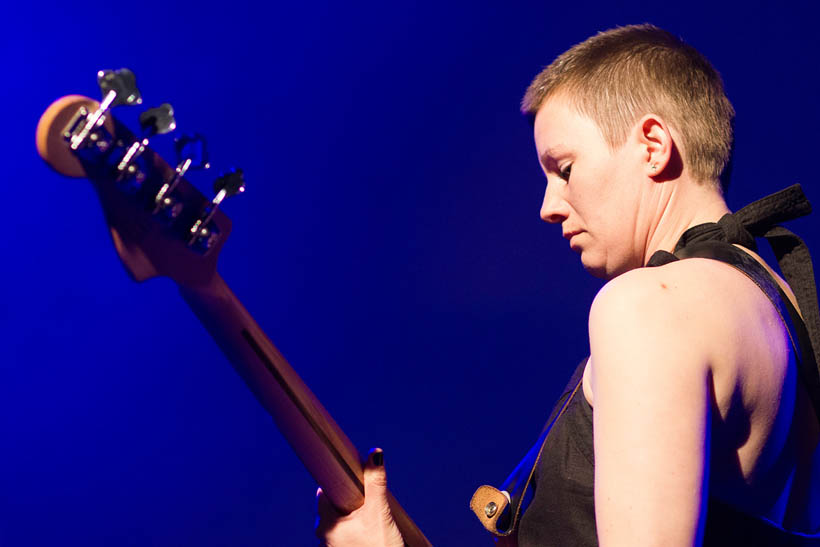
(549, 154)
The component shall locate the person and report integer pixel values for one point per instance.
(696, 417)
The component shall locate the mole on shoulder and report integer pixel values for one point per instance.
(663, 285)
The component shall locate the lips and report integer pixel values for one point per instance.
(568, 235)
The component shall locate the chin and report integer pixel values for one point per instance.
(596, 269)
(600, 273)
(602, 270)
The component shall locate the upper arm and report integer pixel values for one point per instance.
(650, 380)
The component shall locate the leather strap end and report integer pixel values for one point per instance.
(488, 503)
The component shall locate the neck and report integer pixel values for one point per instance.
(678, 207)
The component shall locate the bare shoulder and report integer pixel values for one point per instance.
(644, 315)
(696, 315)
(686, 299)
(695, 293)
(685, 282)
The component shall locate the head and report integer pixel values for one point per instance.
(617, 76)
(625, 110)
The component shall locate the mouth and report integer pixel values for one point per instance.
(571, 234)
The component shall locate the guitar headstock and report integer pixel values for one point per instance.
(160, 223)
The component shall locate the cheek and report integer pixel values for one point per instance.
(591, 191)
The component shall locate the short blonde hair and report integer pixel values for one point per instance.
(617, 76)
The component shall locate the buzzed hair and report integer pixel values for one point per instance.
(618, 75)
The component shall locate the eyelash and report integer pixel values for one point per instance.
(566, 172)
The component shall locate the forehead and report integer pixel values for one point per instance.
(559, 129)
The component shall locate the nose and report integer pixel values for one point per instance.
(554, 209)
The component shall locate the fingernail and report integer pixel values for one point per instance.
(378, 459)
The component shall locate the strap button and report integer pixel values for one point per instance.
(490, 509)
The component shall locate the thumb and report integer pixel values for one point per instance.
(375, 477)
(376, 501)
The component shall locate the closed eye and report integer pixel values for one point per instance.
(566, 172)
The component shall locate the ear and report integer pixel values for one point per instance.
(656, 143)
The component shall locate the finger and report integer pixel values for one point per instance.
(323, 506)
(326, 515)
(375, 477)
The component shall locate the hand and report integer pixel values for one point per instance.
(372, 524)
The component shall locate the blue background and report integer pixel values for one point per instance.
(388, 242)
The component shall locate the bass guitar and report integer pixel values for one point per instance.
(161, 225)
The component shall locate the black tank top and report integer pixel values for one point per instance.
(560, 505)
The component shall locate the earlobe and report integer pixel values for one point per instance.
(656, 142)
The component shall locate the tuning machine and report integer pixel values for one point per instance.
(192, 154)
(231, 183)
(117, 87)
(154, 121)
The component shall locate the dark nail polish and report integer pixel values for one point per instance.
(378, 459)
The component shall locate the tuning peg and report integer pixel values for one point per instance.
(118, 87)
(192, 153)
(230, 183)
(193, 150)
(158, 120)
(154, 121)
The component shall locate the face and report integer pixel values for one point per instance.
(592, 191)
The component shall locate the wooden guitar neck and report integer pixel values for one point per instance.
(319, 442)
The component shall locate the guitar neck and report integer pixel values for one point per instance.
(325, 450)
